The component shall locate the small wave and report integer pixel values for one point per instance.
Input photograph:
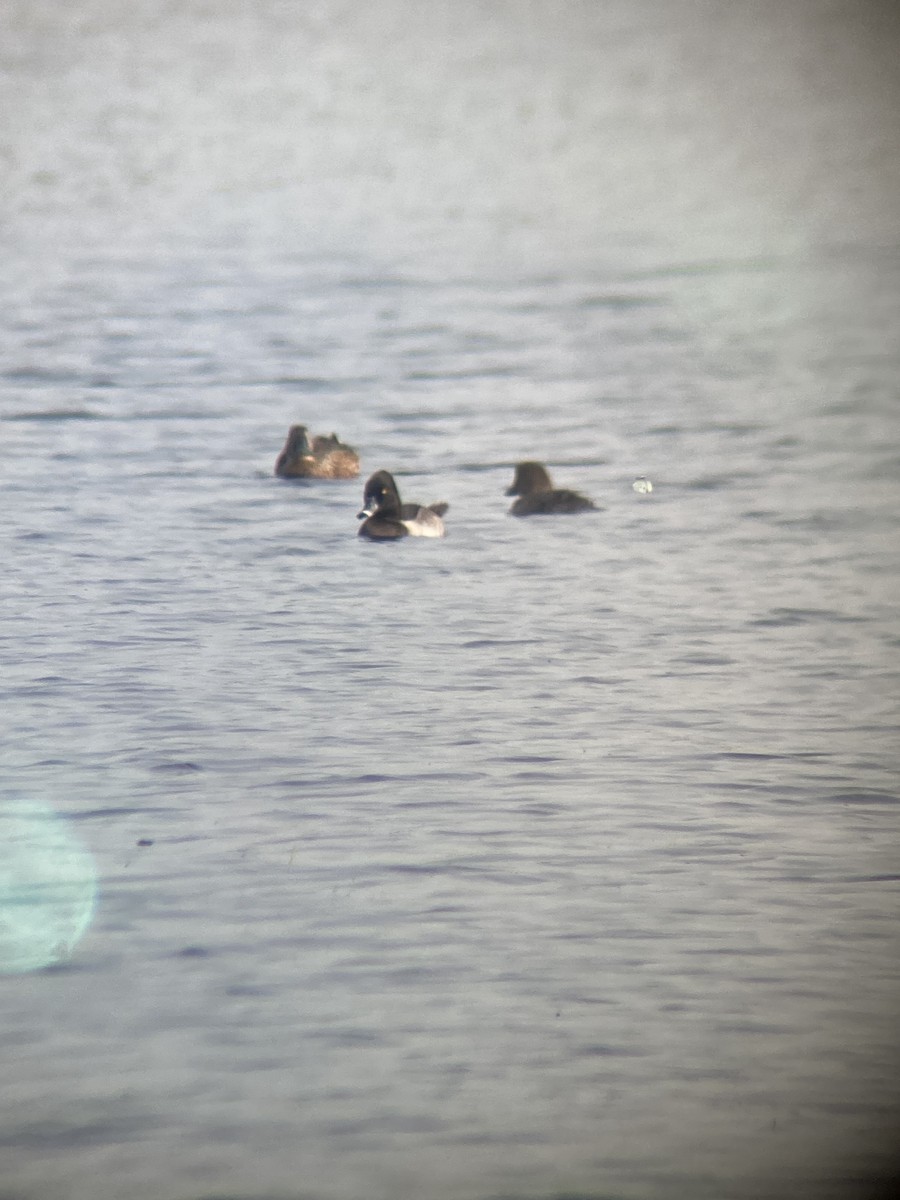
(700, 659)
(761, 756)
(484, 372)
(90, 814)
(39, 375)
(56, 414)
(805, 616)
(708, 483)
(618, 301)
(173, 414)
(309, 383)
(712, 266)
(880, 798)
(492, 643)
(604, 1050)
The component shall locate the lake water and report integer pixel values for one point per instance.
(556, 858)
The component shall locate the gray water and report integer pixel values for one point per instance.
(557, 858)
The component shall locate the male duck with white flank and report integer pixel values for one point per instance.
(323, 457)
(387, 518)
(538, 497)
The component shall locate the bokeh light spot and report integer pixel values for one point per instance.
(48, 887)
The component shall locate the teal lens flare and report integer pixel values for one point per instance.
(48, 887)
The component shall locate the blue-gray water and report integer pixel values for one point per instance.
(555, 858)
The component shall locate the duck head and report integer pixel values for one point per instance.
(530, 477)
(380, 495)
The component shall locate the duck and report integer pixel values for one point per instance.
(538, 497)
(323, 457)
(388, 518)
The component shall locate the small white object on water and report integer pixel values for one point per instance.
(642, 486)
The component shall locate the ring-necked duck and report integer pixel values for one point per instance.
(322, 458)
(538, 496)
(387, 518)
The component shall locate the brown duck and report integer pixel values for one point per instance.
(323, 457)
(538, 497)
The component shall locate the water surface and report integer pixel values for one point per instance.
(557, 857)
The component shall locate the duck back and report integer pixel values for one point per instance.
(323, 457)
